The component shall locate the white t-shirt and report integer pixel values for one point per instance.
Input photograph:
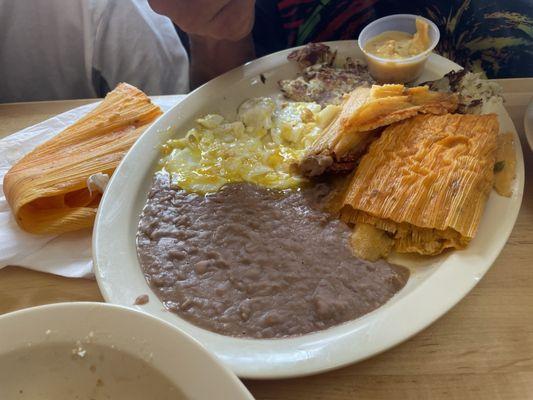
(66, 49)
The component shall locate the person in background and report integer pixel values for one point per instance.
(298, 22)
(218, 33)
(66, 49)
(493, 37)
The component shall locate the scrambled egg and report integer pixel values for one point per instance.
(259, 147)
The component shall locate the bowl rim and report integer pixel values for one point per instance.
(104, 310)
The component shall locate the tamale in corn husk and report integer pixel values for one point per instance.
(425, 181)
(365, 111)
(48, 190)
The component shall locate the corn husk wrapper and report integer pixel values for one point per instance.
(47, 189)
(425, 181)
(365, 111)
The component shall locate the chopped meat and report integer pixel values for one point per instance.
(320, 80)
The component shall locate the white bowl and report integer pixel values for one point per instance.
(97, 350)
(435, 285)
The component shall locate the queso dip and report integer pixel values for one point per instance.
(397, 45)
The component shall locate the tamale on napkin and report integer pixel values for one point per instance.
(47, 189)
(425, 181)
(365, 111)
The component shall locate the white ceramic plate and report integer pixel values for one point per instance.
(69, 326)
(435, 285)
(528, 124)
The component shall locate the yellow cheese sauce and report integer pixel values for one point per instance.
(505, 166)
(397, 45)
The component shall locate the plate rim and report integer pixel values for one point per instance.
(309, 366)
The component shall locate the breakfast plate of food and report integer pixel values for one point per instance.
(294, 215)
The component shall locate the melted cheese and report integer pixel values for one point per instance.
(397, 45)
(259, 147)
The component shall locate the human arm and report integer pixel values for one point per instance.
(212, 57)
(219, 32)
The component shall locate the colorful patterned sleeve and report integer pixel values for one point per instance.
(490, 36)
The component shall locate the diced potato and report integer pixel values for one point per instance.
(325, 116)
(259, 147)
(210, 121)
(370, 243)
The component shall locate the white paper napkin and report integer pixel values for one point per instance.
(67, 254)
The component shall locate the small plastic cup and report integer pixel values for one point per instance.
(397, 70)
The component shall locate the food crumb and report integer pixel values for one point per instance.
(99, 382)
(79, 351)
(89, 338)
(92, 368)
(142, 299)
(498, 166)
(48, 332)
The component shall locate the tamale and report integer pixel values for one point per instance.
(322, 154)
(364, 112)
(425, 181)
(47, 189)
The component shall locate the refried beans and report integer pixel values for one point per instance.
(254, 262)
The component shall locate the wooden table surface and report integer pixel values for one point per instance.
(481, 349)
